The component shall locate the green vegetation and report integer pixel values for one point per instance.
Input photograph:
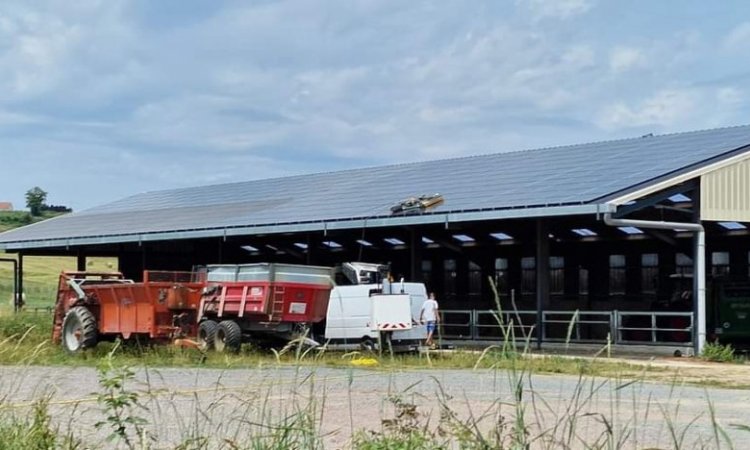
(34, 431)
(713, 351)
(14, 219)
(35, 200)
(130, 410)
(40, 278)
(25, 339)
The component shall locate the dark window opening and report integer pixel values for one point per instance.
(719, 264)
(583, 281)
(556, 275)
(475, 279)
(617, 279)
(501, 276)
(528, 275)
(649, 273)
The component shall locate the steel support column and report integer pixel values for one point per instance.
(18, 301)
(542, 276)
(80, 261)
(415, 255)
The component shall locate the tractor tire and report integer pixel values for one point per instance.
(79, 330)
(228, 337)
(207, 334)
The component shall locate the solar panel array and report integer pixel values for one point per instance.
(575, 174)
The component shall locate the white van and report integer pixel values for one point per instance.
(349, 317)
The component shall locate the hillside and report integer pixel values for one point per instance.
(15, 219)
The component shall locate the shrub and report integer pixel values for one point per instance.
(35, 327)
(714, 351)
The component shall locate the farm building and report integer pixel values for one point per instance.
(616, 236)
(6, 206)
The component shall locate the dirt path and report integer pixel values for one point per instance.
(235, 404)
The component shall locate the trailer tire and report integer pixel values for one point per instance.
(207, 334)
(228, 337)
(79, 330)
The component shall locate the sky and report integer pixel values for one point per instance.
(103, 99)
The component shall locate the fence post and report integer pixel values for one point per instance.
(615, 327)
(473, 323)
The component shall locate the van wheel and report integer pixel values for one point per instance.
(228, 337)
(367, 344)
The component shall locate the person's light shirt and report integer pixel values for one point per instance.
(429, 310)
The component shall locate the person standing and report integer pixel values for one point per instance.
(429, 315)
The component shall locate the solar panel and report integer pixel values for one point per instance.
(570, 175)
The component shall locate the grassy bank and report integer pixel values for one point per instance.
(14, 219)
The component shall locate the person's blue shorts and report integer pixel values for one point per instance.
(431, 325)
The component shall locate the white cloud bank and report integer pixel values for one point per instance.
(150, 95)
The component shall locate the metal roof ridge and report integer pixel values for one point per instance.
(412, 163)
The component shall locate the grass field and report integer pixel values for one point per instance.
(40, 272)
(40, 277)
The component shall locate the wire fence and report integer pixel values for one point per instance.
(36, 297)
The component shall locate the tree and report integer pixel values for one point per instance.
(35, 198)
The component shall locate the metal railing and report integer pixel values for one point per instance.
(654, 327)
(577, 326)
(617, 327)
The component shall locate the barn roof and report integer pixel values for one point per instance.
(574, 179)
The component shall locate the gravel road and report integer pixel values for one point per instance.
(225, 404)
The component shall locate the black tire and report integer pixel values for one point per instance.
(367, 344)
(207, 334)
(228, 337)
(79, 330)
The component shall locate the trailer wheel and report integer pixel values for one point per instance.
(207, 334)
(78, 330)
(228, 337)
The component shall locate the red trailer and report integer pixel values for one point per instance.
(262, 301)
(96, 306)
(232, 303)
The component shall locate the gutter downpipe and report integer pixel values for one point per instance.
(699, 268)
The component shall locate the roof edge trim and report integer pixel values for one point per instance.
(549, 211)
(680, 178)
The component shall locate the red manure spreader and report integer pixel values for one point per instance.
(220, 306)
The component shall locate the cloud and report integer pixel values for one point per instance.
(154, 96)
(557, 9)
(730, 97)
(622, 59)
(690, 107)
(738, 38)
(663, 108)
